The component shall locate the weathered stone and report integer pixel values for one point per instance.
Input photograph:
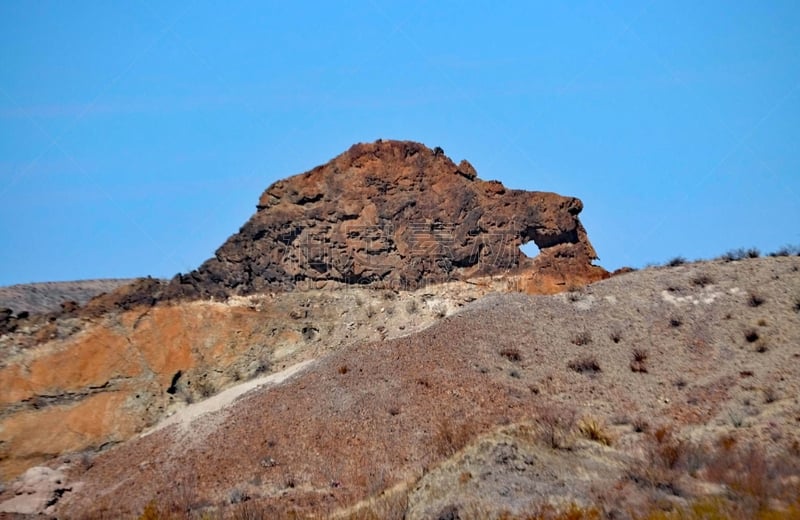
(393, 213)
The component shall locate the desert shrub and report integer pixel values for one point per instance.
(595, 430)
(582, 338)
(787, 250)
(740, 254)
(151, 512)
(668, 449)
(343, 369)
(702, 280)
(550, 512)
(746, 471)
(555, 425)
(721, 508)
(574, 292)
(755, 300)
(675, 322)
(250, 511)
(640, 425)
(237, 496)
(449, 437)
(751, 336)
(205, 388)
(615, 335)
(511, 354)
(639, 357)
(585, 365)
(676, 261)
(659, 470)
(391, 505)
(412, 306)
(770, 394)
(797, 305)
(737, 420)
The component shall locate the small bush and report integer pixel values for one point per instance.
(702, 280)
(412, 306)
(787, 250)
(797, 305)
(555, 426)
(755, 300)
(770, 394)
(582, 338)
(751, 336)
(511, 353)
(574, 293)
(740, 254)
(585, 365)
(449, 438)
(638, 361)
(664, 454)
(615, 336)
(205, 388)
(343, 369)
(640, 425)
(237, 496)
(675, 262)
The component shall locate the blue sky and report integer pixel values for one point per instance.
(135, 137)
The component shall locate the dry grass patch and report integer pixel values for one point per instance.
(595, 430)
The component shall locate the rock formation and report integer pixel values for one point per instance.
(394, 213)
(391, 214)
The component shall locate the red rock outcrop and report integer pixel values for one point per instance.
(395, 213)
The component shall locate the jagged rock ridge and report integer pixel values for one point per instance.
(394, 213)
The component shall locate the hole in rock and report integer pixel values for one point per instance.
(530, 249)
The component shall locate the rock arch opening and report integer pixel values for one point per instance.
(530, 249)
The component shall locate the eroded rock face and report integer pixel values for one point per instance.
(394, 213)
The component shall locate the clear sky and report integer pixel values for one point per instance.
(135, 137)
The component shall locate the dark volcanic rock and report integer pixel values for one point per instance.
(392, 213)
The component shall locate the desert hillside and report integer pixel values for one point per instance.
(650, 390)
